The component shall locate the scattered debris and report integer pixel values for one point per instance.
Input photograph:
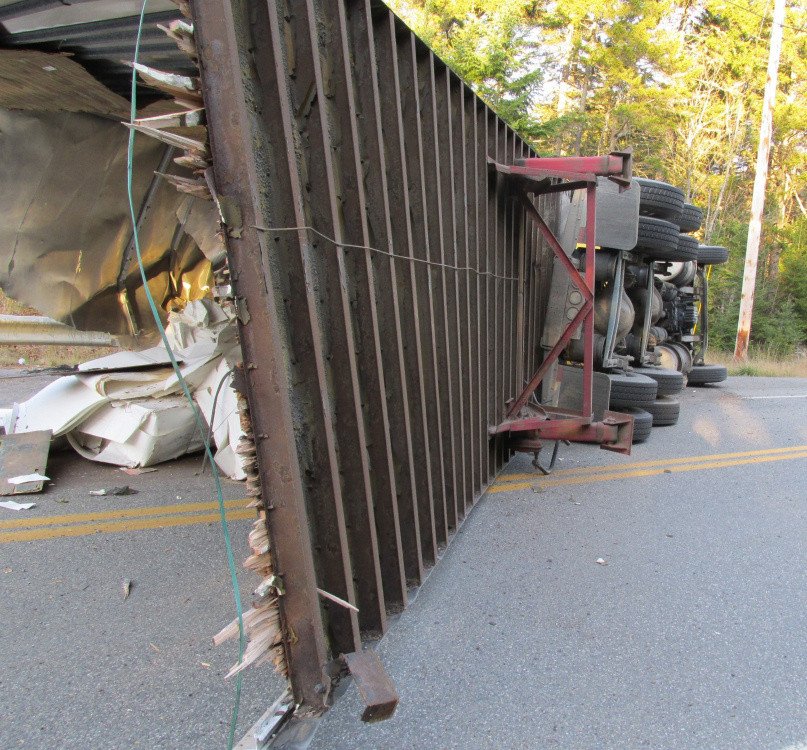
(127, 587)
(573, 501)
(333, 598)
(537, 488)
(23, 459)
(26, 478)
(11, 505)
(154, 647)
(600, 561)
(128, 408)
(137, 472)
(125, 490)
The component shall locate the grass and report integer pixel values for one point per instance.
(42, 356)
(760, 364)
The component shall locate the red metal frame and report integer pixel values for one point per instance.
(542, 175)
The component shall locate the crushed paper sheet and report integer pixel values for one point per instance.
(137, 417)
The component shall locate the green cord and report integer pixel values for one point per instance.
(186, 391)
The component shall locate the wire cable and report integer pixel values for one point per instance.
(213, 412)
(199, 421)
(389, 254)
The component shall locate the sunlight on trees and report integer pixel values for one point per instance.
(679, 82)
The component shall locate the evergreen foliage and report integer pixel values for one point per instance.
(679, 82)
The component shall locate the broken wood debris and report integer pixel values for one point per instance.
(185, 119)
(185, 130)
(197, 188)
(196, 146)
(182, 33)
(262, 623)
(337, 600)
(183, 88)
(184, 7)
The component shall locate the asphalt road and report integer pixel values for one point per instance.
(82, 667)
(692, 635)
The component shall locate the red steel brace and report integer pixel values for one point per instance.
(541, 175)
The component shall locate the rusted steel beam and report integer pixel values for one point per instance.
(312, 312)
(218, 31)
(333, 194)
(398, 48)
(444, 206)
(611, 164)
(471, 145)
(413, 77)
(420, 115)
(380, 697)
(392, 516)
(614, 432)
(451, 180)
(381, 31)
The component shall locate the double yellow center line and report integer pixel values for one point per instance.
(129, 519)
(610, 473)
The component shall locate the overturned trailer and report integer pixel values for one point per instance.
(390, 246)
(392, 280)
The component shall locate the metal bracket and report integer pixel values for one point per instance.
(373, 683)
(266, 728)
(524, 425)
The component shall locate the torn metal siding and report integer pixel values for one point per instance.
(392, 298)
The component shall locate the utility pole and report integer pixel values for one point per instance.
(760, 181)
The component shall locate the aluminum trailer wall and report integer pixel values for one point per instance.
(390, 292)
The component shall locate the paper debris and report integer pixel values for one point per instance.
(127, 408)
(25, 478)
(127, 587)
(600, 561)
(11, 505)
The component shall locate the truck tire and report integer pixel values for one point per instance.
(665, 411)
(669, 381)
(629, 389)
(642, 423)
(660, 199)
(691, 218)
(712, 255)
(657, 236)
(705, 374)
(687, 249)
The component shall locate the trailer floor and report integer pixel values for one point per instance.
(692, 635)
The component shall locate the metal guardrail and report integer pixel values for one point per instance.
(38, 329)
(391, 296)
